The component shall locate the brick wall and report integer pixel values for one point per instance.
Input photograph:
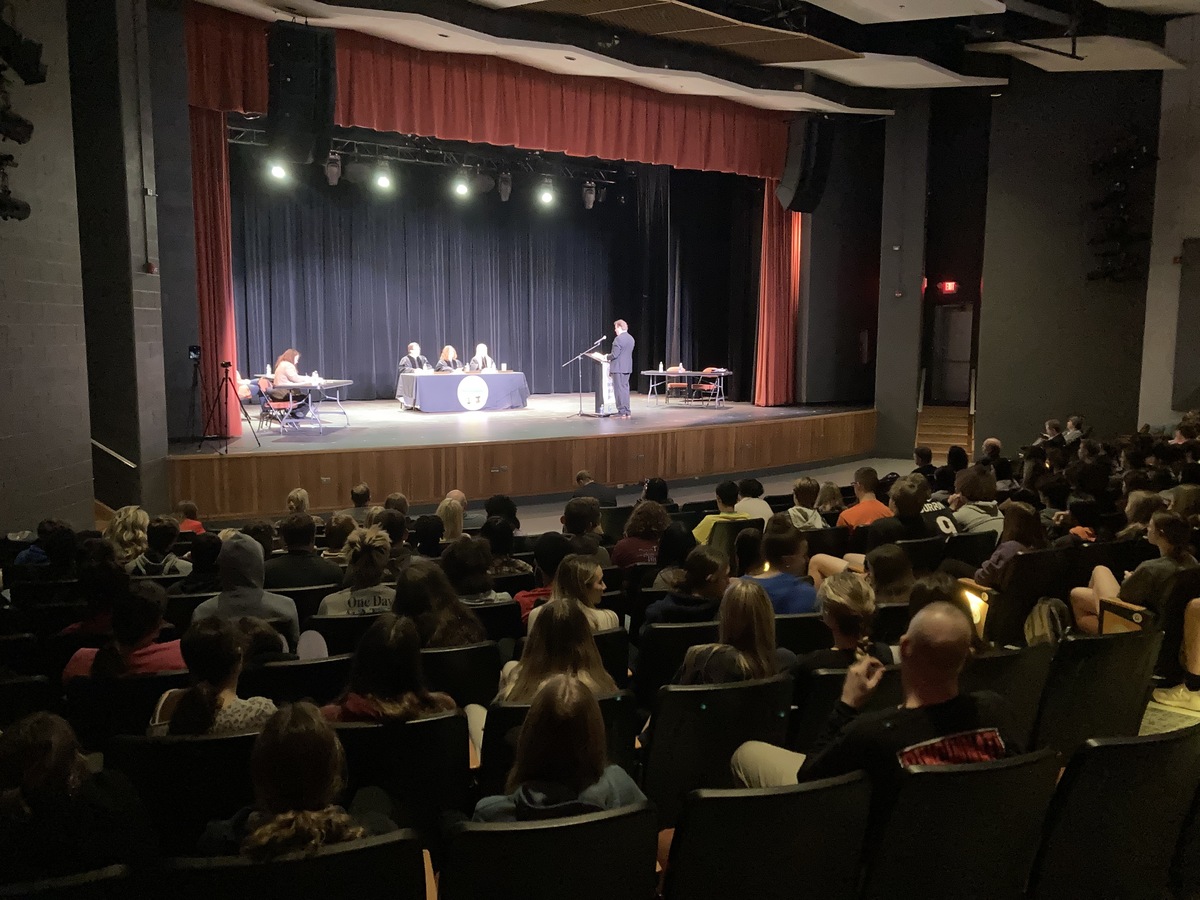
(45, 455)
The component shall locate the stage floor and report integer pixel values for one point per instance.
(376, 424)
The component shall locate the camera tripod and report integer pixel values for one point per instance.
(220, 403)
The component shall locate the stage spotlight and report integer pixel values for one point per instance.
(277, 170)
(504, 186)
(461, 185)
(545, 193)
(333, 169)
(383, 177)
(589, 194)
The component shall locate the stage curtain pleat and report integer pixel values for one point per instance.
(778, 303)
(214, 270)
(482, 99)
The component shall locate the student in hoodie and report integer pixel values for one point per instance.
(161, 535)
(974, 501)
(240, 563)
(561, 767)
(696, 596)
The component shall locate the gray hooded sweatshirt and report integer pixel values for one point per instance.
(240, 564)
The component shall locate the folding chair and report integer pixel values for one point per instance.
(710, 390)
(277, 411)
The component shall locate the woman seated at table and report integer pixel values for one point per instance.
(448, 361)
(481, 362)
(287, 374)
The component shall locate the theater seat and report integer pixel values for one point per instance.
(100, 708)
(318, 680)
(469, 674)
(111, 883)
(663, 648)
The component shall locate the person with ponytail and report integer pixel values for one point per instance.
(297, 766)
(1149, 584)
(846, 603)
(56, 816)
(367, 553)
(136, 622)
(214, 650)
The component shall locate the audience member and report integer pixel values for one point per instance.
(696, 596)
(656, 489)
(945, 477)
(189, 517)
(746, 622)
(548, 553)
(297, 766)
(561, 767)
(785, 561)
(101, 582)
(471, 518)
(939, 587)
(1052, 435)
(829, 500)
(360, 496)
(1185, 502)
(451, 514)
(394, 524)
(560, 643)
(907, 500)
(1074, 430)
(643, 530)
(1023, 533)
(1140, 506)
(750, 501)
(386, 682)
(747, 553)
(868, 508)
(214, 650)
(581, 519)
(1149, 584)
(727, 498)
(425, 595)
(579, 579)
(467, 563)
(890, 574)
(263, 532)
(1002, 468)
(365, 594)
(710, 664)
(57, 817)
(126, 531)
(846, 603)
(673, 549)
(586, 486)
(373, 516)
(974, 501)
(396, 501)
(262, 643)
(935, 725)
(803, 511)
(301, 565)
(205, 577)
(503, 506)
(428, 532)
(339, 528)
(923, 460)
(241, 566)
(132, 649)
(297, 502)
(498, 532)
(53, 547)
(992, 450)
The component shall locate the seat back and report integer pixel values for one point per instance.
(390, 865)
(185, 782)
(772, 843)
(318, 680)
(180, 608)
(163, 581)
(1118, 556)
(469, 674)
(1120, 805)
(832, 541)
(599, 856)
(110, 883)
(973, 548)
(613, 519)
(924, 554)
(613, 644)
(779, 502)
(25, 694)
(504, 721)
(101, 708)
(1097, 688)
(500, 620)
(19, 654)
(514, 584)
(39, 591)
(1019, 676)
(690, 518)
(341, 633)
(422, 765)
(817, 693)
(308, 598)
(802, 632)
(724, 533)
(1184, 588)
(702, 506)
(661, 653)
(996, 808)
(695, 730)
(1029, 577)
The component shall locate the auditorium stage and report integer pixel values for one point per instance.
(526, 452)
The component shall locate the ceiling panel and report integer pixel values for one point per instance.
(661, 19)
(1156, 7)
(1101, 53)
(881, 70)
(875, 12)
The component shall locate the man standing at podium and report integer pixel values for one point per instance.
(620, 365)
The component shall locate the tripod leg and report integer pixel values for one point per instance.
(210, 418)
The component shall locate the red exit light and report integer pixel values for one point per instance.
(948, 287)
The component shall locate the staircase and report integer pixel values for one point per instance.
(941, 427)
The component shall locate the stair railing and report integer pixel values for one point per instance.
(921, 393)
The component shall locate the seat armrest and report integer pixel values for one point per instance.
(1118, 616)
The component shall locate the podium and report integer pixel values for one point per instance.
(606, 399)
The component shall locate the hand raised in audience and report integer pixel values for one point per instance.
(862, 679)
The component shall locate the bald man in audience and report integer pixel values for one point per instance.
(936, 724)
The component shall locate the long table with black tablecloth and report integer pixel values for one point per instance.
(462, 391)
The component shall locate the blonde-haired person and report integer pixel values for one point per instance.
(451, 513)
(746, 622)
(126, 531)
(367, 552)
(1140, 507)
(297, 500)
(846, 603)
(560, 643)
(581, 579)
(226, 533)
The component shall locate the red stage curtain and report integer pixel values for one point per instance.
(778, 304)
(461, 97)
(214, 262)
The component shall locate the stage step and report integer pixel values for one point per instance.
(941, 427)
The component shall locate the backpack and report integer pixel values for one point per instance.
(1047, 622)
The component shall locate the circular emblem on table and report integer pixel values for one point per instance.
(473, 393)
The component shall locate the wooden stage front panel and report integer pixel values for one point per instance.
(248, 484)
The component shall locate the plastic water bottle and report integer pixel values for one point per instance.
(660, 367)
(268, 370)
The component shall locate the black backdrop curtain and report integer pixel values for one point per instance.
(349, 277)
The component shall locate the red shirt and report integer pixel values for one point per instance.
(528, 600)
(192, 525)
(632, 550)
(147, 660)
(864, 512)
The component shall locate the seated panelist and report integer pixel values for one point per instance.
(413, 361)
(448, 361)
(481, 362)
